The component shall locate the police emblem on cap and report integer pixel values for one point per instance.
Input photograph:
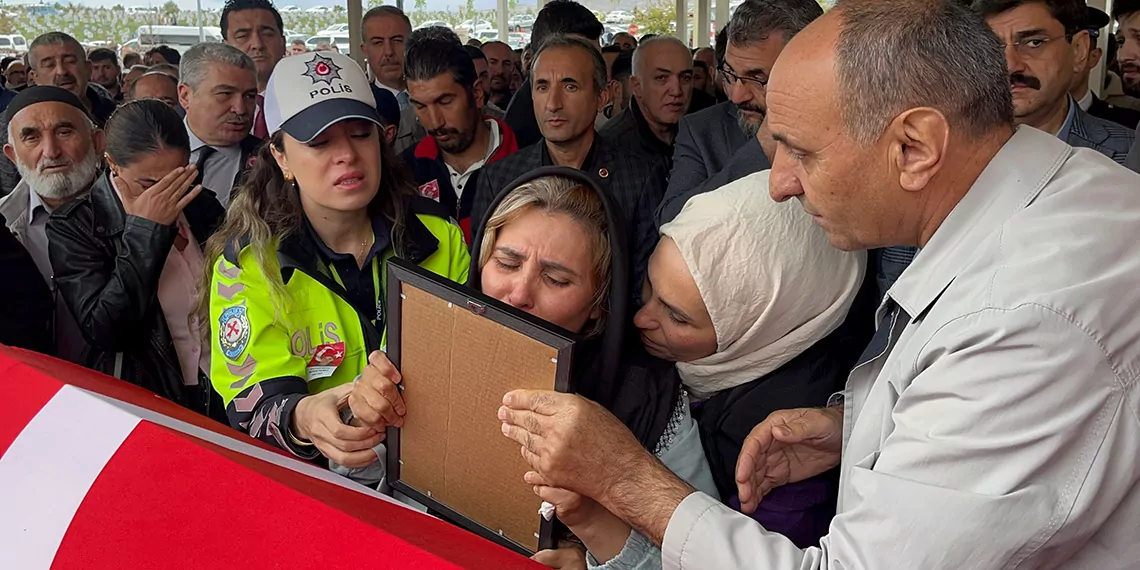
(321, 69)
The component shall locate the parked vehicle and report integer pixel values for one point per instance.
(290, 8)
(340, 40)
(473, 27)
(431, 23)
(180, 38)
(319, 10)
(619, 17)
(334, 29)
(521, 21)
(13, 44)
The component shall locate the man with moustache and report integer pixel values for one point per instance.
(719, 144)
(1047, 42)
(384, 30)
(479, 60)
(1079, 88)
(569, 78)
(500, 66)
(255, 27)
(662, 88)
(1127, 16)
(56, 58)
(447, 96)
(57, 149)
(105, 71)
(218, 90)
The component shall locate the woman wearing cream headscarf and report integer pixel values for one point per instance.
(747, 296)
(750, 300)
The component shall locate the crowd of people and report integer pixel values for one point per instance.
(852, 290)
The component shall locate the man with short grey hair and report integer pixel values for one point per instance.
(662, 83)
(718, 145)
(991, 421)
(218, 90)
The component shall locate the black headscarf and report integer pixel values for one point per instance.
(613, 368)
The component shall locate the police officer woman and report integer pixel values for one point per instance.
(295, 298)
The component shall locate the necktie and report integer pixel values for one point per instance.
(259, 129)
(402, 99)
(203, 155)
(880, 344)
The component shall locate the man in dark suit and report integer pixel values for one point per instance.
(556, 17)
(718, 145)
(569, 76)
(1085, 98)
(1041, 71)
(662, 87)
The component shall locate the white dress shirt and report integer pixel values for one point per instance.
(999, 426)
(221, 167)
(459, 179)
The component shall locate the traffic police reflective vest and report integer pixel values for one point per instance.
(265, 357)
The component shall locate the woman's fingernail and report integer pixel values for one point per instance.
(503, 413)
(506, 429)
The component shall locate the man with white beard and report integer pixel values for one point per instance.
(56, 148)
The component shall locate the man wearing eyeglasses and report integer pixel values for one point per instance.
(718, 145)
(1046, 44)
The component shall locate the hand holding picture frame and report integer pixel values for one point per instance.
(459, 352)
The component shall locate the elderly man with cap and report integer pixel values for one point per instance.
(57, 149)
(992, 422)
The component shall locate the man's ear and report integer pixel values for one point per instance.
(603, 99)
(635, 85)
(918, 140)
(10, 152)
(98, 140)
(477, 92)
(1094, 57)
(183, 95)
(1080, 47)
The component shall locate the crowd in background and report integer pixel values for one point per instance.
(925, 359)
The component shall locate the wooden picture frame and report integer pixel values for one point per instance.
(459, 352)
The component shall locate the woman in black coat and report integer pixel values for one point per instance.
(128, 262)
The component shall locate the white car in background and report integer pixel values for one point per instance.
(290, 8)
(619, 17)
(473, 27)
(339, 39)
(335, 29)
(319, 10)
(14, 44)
(431, 23)
(521, 20)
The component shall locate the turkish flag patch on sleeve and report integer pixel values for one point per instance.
(430, 190)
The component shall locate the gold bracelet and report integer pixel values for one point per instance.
(296, 440)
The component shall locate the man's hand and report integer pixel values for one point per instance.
(572, 442)
(375, 400)
(788, 446)
(162, 202)
(317, 419)
(600, 530)
(567, 557)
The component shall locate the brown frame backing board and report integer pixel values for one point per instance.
(459, 352)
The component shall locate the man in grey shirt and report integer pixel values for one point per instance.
(218, 90)
(993, 421)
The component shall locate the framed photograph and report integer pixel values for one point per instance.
(459, 352)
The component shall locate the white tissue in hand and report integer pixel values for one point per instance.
(546, 510)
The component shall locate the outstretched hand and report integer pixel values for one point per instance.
(788, 446)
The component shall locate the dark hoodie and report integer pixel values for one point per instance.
(613, 368)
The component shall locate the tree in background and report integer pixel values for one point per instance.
(170, 12)
(657, 17)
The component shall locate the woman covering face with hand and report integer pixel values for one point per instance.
(128, 258)
(297, 272)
